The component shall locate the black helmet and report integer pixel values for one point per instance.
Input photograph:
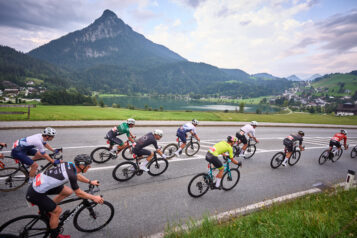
(232, 139)
(301, 133)
(83, 159)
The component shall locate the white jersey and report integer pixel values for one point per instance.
(189, 127)
(35, 141)
(248, 129)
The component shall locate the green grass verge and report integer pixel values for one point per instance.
(319, 215)
(42, 112)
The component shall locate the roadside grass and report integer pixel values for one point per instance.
(327, 214)
(42, 112)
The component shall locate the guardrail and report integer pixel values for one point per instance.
(18, 112)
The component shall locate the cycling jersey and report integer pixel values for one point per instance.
(220, 148)
(295, 137)
(148, 139)
(339, 136)
(247, 129)
(121, 129)
(187, 127)
(31, 142)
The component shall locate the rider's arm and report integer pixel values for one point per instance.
(345, 142)
(80, 193)
(83, 179)
(46, 156)
(131, 137)
(49, 147)
(253, 136)
(195, 135)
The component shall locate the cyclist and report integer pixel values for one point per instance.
(182, 134)
(289, 144)
(221, 148)
(52, 182)
(247, 130)
(123, 128)
(148, 139)
(2, 145)
(35, 146)
(335, 141)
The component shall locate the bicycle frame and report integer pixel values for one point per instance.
(226, 167)
(179, 141)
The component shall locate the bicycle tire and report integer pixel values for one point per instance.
(236, 151)
(338, 156)
(294, 158)
(200, 181)
(230, 176)
(354, 152)
(192, 148)
(277, 160)
(169, 150)
(124, 171)
(250, 151)
(101, 155)
(127, 153)
(324, 157)
(34, 226)
(157, 164)
(91, 219)
(14, 180)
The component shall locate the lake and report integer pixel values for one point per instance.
(180, 104)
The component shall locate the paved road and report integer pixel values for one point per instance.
(146, 205)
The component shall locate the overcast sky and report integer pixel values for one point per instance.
(281, 37)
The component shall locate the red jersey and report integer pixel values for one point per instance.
(339, 137)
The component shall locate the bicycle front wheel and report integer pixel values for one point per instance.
(354, 152)
(230, 179)
(250, 151)
(93, 216)
(124, 171)
(158, 167)
(26, 226)
(170, 150)
(100, 155)
(277, 159)
(128, 153)
(294, 158)
(338, 156)
(198, 185)
(192, 148)
(12, 179)
(324, 157)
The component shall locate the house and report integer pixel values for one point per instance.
(346, 109)
(11, 92)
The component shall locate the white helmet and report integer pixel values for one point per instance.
(130, 121)
(344, 132)
(158, 132)
(49, 132)
(254, 123)
(194, 121)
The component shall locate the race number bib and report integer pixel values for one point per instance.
(38, 180)
(212, 149)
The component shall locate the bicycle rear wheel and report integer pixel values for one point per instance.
(158, 167)
(12, 179)
(169, 150)
(198, 185)
(338, 156)
(192, 148)
(294, 158)
(128, 153)
(100, 155)
(250, 151)
(230, 179)
(354, 152)
(124, 171)
(26, 226)
(324, 157)
(93, 216)
(277, 159)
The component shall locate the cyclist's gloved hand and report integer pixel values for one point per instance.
(57, 161)
(239, 164)
(57, 151)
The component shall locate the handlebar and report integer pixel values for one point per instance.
(57, 155)
(92, 189)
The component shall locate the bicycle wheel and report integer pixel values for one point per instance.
(294, 158)
(124, 171)
(324, 157)
(354, 152)
(128, 153)
(230, 179)
(250, 151)
(169, 150)
(198, 185)
(192, 148)
(93, 216)
(158, 167)
(26, 226)
(338, 156)
(12, 179)
(277, 159)
(100, 155)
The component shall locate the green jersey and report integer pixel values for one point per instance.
(122, 129)
(220, 148)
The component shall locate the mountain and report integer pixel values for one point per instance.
(337, 84)
(312, 77)
(107, 41)
(293, 78)
(264, 76)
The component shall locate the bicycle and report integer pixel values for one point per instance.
(6, 161)
(88, 217)
(191, 148)
(249, 152)
(126, 170)
(204, 181)
(333, 155)
(354, 152)
(13, 178)
(102, 154)
(279, 157)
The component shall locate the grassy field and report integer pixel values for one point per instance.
(328, 214)
(107, 113)
(331, 83)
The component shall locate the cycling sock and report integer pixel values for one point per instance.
(179, 150)
(218, 182)
(54, 232)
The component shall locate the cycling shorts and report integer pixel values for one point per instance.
(214, 160)
(41, 199)
(182, 135)
(113, 139)
(289, 144)
(140, 152)
(335, 143)
(21, 154)
(242, 138)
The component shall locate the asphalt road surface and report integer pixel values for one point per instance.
(146, 205)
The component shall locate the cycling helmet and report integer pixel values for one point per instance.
(83, 159)
(158, 132)
(194, 121)
(130, 121)
(49, 131)
(344, 132)
(232, 139)
(254, 123)
(301, 133)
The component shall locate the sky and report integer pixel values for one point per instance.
(279, 37)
